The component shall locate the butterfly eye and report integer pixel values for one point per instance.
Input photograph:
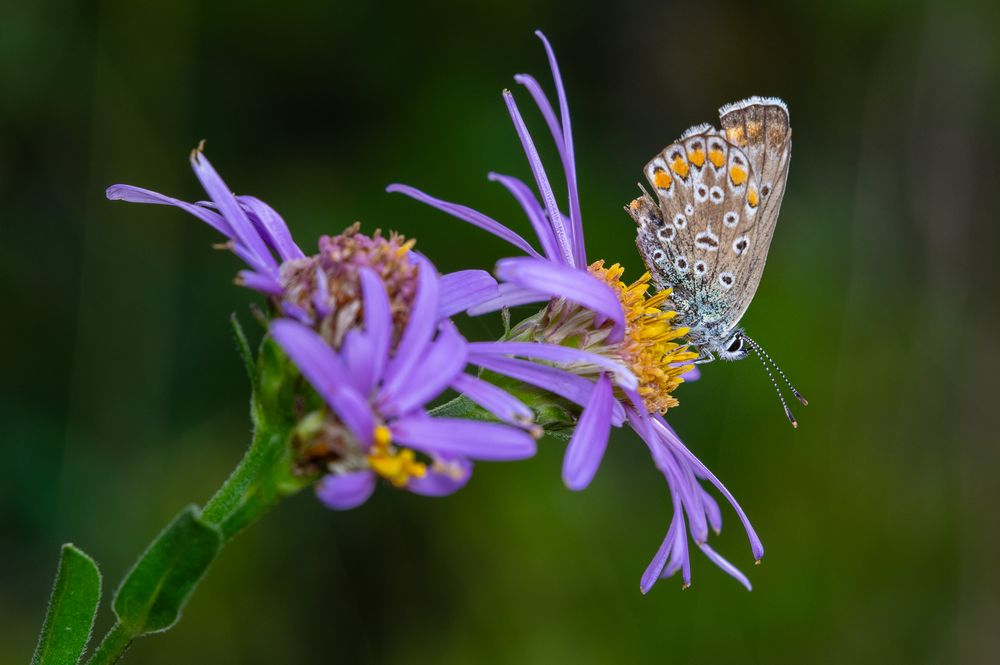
(736, 345)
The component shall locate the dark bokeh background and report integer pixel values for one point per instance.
(123, 398)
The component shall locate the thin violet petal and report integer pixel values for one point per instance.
(726, 566)
(559, 382)
(712, 511)
(464, 289)
(356, 352)
(692, 374)
(497, 401)
(441, 362)
(346, 491)
(463, 438)
(469, 215)
(321, 294)
(274, 227)
(543, 104)
(508, 295)
(354, 411)
(536, 214)
(569, 160)
(419, 328)
(577, 286)
(244, 231)
(557, 354)
(132, 194)
(315, 359)
(443, 477)
(262, 283)
(542, 180)
(655, 567)
(378, 319)
(590, 439)
(292, 311)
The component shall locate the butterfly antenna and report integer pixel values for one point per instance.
(795, 392)
(761, 355)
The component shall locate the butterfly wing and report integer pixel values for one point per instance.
(706, 235)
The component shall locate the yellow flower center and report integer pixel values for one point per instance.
(649, 348)
(397, 465)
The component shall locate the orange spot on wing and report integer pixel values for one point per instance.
(697, 157)
(717, 158)
(680, 167)
(752, 198)
(738, 175)
(634, 205)
(662, 180)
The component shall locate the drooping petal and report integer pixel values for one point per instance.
(262, 283)
(272, 227)
(655, 567)
(469, 215)
(726, 566)
(568, 159)
(577, 286)
(590, 439)
(132, 194)
(243, 229)
(463, 438)
(442, 360)
(543, 104)
(557, 381)
(536, 214)
(419, 328)
(497, 401)
(542, 180)
(464, 289)
(558, 354)
(343, 492)
(443, 477)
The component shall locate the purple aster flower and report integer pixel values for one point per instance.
(590, 309)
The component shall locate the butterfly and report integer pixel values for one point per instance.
(706, 233)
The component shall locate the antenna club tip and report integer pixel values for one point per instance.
(795, 424)
(802, 399)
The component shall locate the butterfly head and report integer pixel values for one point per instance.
(733, 346)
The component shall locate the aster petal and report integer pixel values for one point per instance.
(726, 566)
(656, 566)
(497, 401)
(712, 511)
(508, 295)
(466, 214)
(271, 227)
(321, 294)
(542, 180)
(463, 438)
(419, 328)
(132, 194)
(354, 411)
(664, 428)
(263, 283)
(569, 386)
(557, 354)
(577, 286)
(442, 360)
(590, 439)
(443, 477)
(543, 104)
(692, 374)
(343, 492)
(568, 159)
(244, 231)
(464, 289)
(378, 319)
(536, 214)
(356, 353)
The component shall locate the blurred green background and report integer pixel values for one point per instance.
(123, 398)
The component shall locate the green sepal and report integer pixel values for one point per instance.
(243, 347)
(69, 620)
(152, 595)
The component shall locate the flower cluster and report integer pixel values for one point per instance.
(366, 320)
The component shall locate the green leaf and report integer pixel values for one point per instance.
(153, 593)
(72, 607)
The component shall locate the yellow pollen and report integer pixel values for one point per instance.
(405, 247)
(397, 465)
(738, 175)
(752, 198)
(662, 180)
(680, 167)
(652, 348)
(697, 157)
(717, 158)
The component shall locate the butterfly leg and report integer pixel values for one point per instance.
(704, 356)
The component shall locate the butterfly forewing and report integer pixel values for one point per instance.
(717, 197)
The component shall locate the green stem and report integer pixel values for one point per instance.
(112, 647)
